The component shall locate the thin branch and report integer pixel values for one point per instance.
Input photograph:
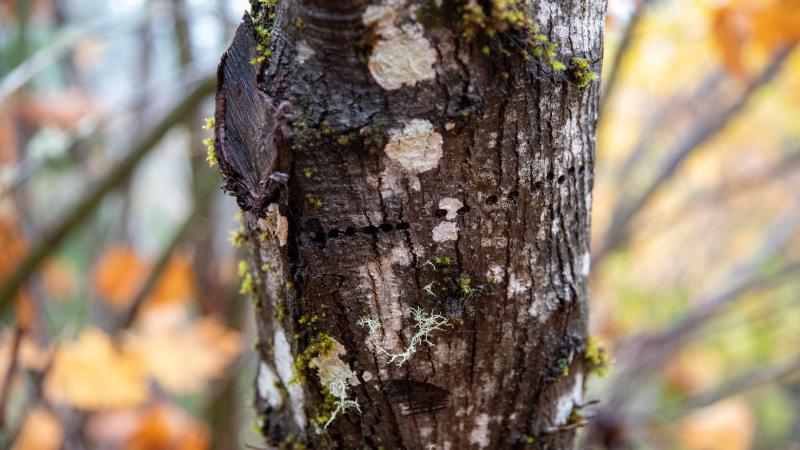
(5, 389)
(87, 205)
(748, 381)
(610, 81)
(627, 208)
(200, 206)
(58, 47)
(660, 117)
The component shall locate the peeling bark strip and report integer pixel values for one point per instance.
(420, 280)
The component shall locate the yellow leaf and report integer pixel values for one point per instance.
(41, 431)
(176, 284)
(89, 373)
(726, 425)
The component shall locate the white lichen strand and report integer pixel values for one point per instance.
(417, 147)
(335, 375)
(369, 323)
(426, 324)
(402, 56)
(338, 389)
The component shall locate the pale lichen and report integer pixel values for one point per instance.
(426, 323)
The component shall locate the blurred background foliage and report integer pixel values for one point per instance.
(129, 331)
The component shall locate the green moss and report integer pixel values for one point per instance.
(316, 201)
(582, 72)
(464, 285)
(237, 237)
(264, 20)
(595, 355)
(322, 345)
(247, 286)
(445, 261)
(504, 27)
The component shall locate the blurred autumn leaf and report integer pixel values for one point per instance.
(90, 373)
(42, 431)
(120, 273)
(181, 354)
(763, 26)
(727, 425)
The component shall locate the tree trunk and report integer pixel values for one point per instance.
(420, 280)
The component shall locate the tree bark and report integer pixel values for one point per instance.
(428, 257)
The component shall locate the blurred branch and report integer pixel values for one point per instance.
(622, 50)
(627, 208)
(86, 206)
(200, 206)
(5, 389)
(748, 381)
(658, 119)
(59, 46)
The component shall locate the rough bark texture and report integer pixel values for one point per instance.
(426, 174)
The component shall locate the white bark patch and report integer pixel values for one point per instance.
(567, 402)
(304, 52)
(402, 56)
(495, 274)
(543, 305)
(518, 285)
(451, 205)
(586, 264)
(267, 385)
(480, 434)
(386, 308)
(445, 231)
(284, 362)
(417, 147)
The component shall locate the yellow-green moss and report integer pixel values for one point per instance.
(247, 286)
(323, 344)
(595, 355)
(582, 72)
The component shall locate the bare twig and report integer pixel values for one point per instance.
(610, 81)
(87, 205)
(745, 382)
(199, 208)
(627, 208)
(59, 47)
(5, 389)
(660, 117)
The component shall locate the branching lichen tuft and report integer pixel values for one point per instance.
(338, 390)
(426, 323)
(370, 324)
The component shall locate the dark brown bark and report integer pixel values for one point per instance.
(427, 176)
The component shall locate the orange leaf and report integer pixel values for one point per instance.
(89, 373)
(176, 284)
(726, 425)
(41, 431)
(118, 276)
(165, 427)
